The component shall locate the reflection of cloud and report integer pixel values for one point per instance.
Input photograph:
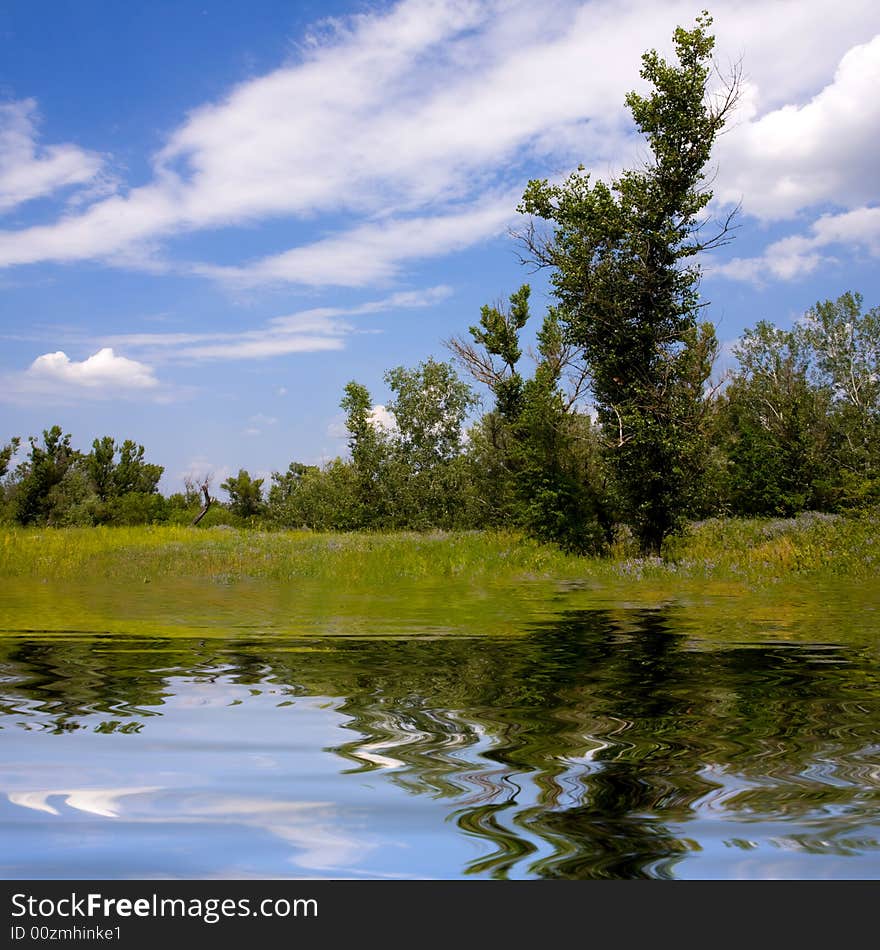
(309, 826)
(96, 801)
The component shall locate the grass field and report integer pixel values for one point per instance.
(753, 551)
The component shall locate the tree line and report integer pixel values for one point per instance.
(796, 426)
(613, 428)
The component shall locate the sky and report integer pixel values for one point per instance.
(215, 215)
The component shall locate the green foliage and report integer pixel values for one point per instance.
(429, 408)
(535, 454)
(800, 421)
(323, 499)
(628, 295)
(38, 491)
(139, 508)
(245, 494)
(411, 474)
(6, 455)
(368, 450)
(846, 343)
(775, 422)
(57, 485)
(846, 348)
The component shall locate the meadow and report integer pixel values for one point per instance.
(752, 552)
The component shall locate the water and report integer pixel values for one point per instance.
(716, 741)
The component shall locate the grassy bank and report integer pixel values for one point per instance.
(749, 552)
(741, 579)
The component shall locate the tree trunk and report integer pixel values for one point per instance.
(205, 507)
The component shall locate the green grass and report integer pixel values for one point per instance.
(233, 554)
(739, 551)
(744, 578)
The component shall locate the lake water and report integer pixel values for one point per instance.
(721, 739)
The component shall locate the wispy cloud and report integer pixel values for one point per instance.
(395, 118)
(28, 171)
(418, 124)
(801, 254)
(374, 253)
(307, 331)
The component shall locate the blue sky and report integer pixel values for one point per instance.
(213, 216)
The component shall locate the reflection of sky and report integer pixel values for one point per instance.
(235, 781)
(225, 783)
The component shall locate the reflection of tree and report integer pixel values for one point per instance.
(64, 681)
(572, 751)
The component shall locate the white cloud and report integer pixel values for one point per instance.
(307, 331)
(800, 156)
(104, 370)
(418, 125)
(373, 253)
(383, 420)
(800, 254)
(28, 172)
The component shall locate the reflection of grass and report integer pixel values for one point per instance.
(736, 551)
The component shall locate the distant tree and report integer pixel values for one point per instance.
(117, 470)
(846, 343)
(846, 348)
(628, 295)
(306, 496)
(368, 447)
(245, 494)
(285, 485)
(37, 497)
(775, 420)
(7, 453)
(429, 407)
(536, 452)
(423, 474)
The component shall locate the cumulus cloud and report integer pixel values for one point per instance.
(800, 156)
(380, 418)
(103, 370)
(27, 171)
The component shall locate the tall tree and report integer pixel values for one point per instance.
(425, 472)
(429, 406)
(846, 347)
(368, 450)
(623, 271)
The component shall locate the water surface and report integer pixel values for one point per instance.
(554, 736)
